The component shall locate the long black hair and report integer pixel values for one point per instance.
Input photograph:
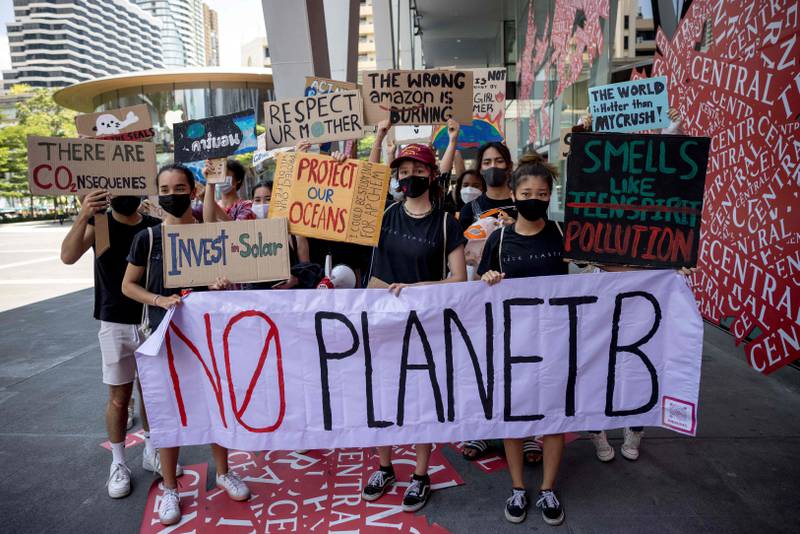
(262, 183)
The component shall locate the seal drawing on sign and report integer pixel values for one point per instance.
(108, 124)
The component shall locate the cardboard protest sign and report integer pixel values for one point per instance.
(318, 119)
(405, 134)
(635, 199)
(320, 86)
(563, 144)
(366, 368)
(63, 166)
(630, 106)
(241, 251)
(215, 137)
(131, 123)
(488, 111)
(325, 199)
(417, 96)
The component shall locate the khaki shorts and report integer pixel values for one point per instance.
(118, 342)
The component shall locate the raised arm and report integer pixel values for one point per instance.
(380, 135)
(80, 237)
(453, 128)
(212, 212)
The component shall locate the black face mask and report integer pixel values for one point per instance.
(414, 186)
(175, 205)
(532, 209)
(125, 205)
(494, 176)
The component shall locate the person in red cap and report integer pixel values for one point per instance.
(418, 244)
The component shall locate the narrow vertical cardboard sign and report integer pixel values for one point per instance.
(635, 199)
(215, 137)
(417, 96)
(326, 199)
(630, 106)
(318, 119)
(131, 123)
(102, 238)
(64, 166)
(241, 251)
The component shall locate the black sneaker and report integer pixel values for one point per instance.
(552, 511)
(517, 506)
(378, 483)
(416, 494)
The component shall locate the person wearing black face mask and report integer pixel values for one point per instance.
(417, 246)
(532, 246)
(118, 314)
(144, 283)
(494, 164)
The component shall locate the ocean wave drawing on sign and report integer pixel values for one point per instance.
(734, 76)
(572, 33)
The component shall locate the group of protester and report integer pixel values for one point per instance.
(422, 243)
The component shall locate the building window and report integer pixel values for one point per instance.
(627, 23)
(625, 43)
(266, 52)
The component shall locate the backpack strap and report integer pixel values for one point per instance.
(500, 248)
(145, 325)
(475, 214)
(444, 246)
(560, 231)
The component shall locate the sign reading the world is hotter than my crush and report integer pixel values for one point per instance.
(630, 106)
(62, 166)
(322, 118)
(312, 369)
(241, 251)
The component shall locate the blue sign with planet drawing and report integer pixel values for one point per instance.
(215, 137)
(472, 136)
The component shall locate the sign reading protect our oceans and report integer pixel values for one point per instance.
(241, 251)
(630, 106)
(215, 137)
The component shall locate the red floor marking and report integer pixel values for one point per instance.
(131, 440)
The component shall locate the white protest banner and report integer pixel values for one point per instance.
(630, 106)
(308, 369)
(241, 251)
(65, 166)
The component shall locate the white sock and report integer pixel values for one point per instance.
(148, 447)
(118, 453)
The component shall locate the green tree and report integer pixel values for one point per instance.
(37, 115)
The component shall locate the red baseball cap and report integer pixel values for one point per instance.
(417, 152)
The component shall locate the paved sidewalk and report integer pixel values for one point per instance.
(741, 474)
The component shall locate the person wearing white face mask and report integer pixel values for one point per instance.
(469, 186)
(227, 206)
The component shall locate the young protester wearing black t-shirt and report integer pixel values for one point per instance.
(176, 190)
(416, 246)
(495, 165)
(532, 246)
(118, 316)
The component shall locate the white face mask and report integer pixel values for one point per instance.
(468, 194)
(397, 195)
(260, 210)
(223, 188)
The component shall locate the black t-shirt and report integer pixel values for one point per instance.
(525, 255)
(484, 206)
(350, 254)
(411, 250)
(109, 269)
(138, 257)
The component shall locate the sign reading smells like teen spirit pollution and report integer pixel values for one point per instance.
(131, 123)
(326, 199)
(241, 251)
(635, 199)
(417, 96)
(630, 106)
(61, 166)
(319, 119)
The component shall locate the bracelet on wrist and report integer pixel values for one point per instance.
(155, 300)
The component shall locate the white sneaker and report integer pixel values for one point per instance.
(630, 447)
(151, 461)
(234, 486)
(169, 509)
(119, 481)
(604, 451)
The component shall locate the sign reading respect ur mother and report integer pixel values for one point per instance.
(61, 166)
(241, 251)
(635, 199)
(441, 363)
(630, 106)
(326, 199)
(318, 119)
